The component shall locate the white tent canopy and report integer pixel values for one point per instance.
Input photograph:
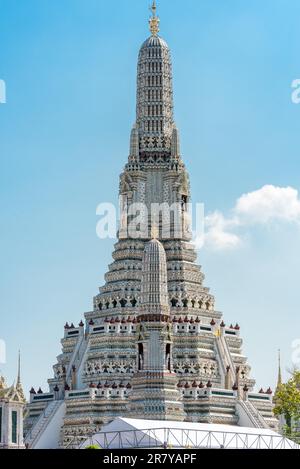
(123, 433)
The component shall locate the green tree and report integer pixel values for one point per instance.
(287, 402)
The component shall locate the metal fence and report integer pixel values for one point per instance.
(177, 438)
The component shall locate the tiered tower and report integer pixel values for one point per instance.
(153, 327)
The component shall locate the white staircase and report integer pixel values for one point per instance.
(77, 356)
(250, 416)
(225, 358)
(42, 423)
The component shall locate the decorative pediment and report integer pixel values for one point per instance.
(15, 394)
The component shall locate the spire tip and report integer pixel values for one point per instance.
(19, 368)
(279, 379)
(154, 20)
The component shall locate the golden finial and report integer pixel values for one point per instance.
(154, 21)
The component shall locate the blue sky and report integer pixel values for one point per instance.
(70, 72)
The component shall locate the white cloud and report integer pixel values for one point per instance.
(267, 204)
(217, 235)
(261, 207)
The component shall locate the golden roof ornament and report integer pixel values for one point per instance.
(154, 20)
(2, 383)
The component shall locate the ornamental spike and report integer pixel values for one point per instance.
(154, 20)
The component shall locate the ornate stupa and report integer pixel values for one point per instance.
(12, 404)
(153, 346)
(154, 384)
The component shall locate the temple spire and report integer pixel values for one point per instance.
(279, 379)
(18, 387)
(154, 20)
(19, 369)
(154, 110)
